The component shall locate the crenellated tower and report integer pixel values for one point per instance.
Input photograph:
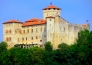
(51, 11)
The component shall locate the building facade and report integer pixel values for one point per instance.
(36, 31)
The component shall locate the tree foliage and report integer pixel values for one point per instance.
(80, 53)
(48, 46)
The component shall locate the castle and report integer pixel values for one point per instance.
(36, 31)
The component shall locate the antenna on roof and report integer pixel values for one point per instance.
(51, 3)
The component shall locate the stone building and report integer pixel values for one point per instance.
(36, 31)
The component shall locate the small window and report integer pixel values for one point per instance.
(44, 29)
(64, 29)
(40, 40)
(27, 30)
(32, 30)
(15, 31)
(9, 31)
(22, 39)
(6, 38)
(23, 31)
(40, 45)
(41, 29)
(48, 8)
(26, 38)
(50, 19)
(36, 30)
(36, 37)
(44, 35)
(32, 38)
(9, 38)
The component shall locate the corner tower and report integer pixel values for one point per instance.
(11, 32)
(51, 11)
(50, 28)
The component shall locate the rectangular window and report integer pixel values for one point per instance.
(32, 30)
(36, 30)
(36, 37)
(40, 40)
(27, 30)
(44, 29)
(26, 38)
(44, 35)
(31, 38)
(23, 31)
(22, 39)
(64, 29)
(50, 19)
(41, 29)
(9, 38)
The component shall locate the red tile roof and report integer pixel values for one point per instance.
(12, 21)
(51, 7)
(34, 21)
(84, 25)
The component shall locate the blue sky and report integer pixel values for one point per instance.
(74, 11)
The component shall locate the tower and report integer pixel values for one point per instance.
(51, 14)
(10, 29)
(50, 28)
(51, 11)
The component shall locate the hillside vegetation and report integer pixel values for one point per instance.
(80, 53)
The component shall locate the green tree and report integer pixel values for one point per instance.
(63, 46)
(48, 46)
(3, 53)
(84, 44)
(82, 37)
(3, 46)
(36, 55)
(19, 56)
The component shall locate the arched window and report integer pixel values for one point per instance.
(9, 38)
(9, 31)
(6, 38)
